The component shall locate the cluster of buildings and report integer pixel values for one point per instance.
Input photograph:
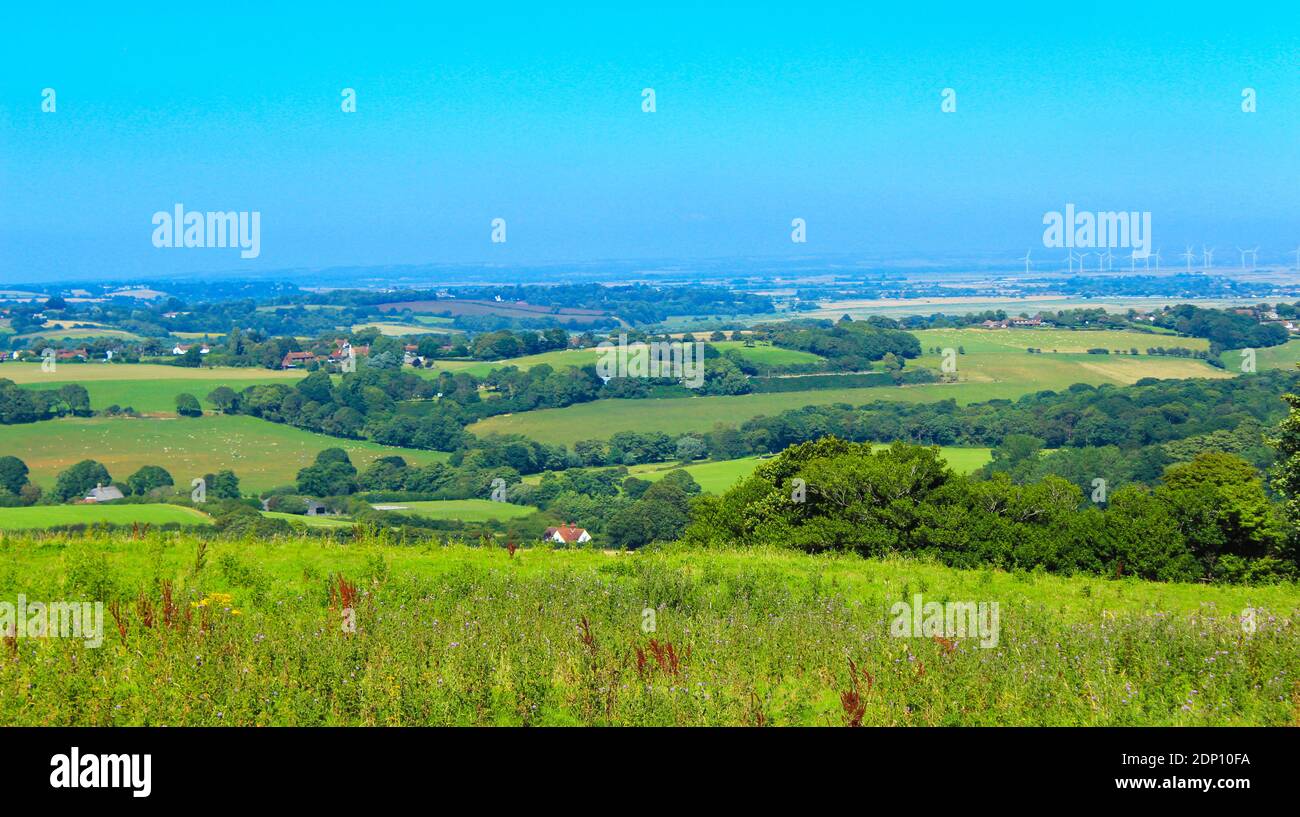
(1016, 323)
(343, 350)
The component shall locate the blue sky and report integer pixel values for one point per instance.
(533, 115)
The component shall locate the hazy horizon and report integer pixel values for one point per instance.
(761, 116)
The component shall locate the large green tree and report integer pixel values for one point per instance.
(13, 474)
(148, 478)
(78, 480)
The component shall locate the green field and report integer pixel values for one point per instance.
(55, 333)
(262, 454)
(717, 476)
(899, 308)
(1000, 376)
(465, 510)
(304, 521)
(46, 516)
(391, 329)
(458, 635)
(766, 354)
(1285, 356)
(980, 341)
(769, 355)
(995, 366)
(146, 387)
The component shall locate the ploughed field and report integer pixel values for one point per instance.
(252, 632)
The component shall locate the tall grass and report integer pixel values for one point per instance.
(251, 632)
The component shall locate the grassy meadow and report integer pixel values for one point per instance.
(250, 633)
(48, 516)
(1285, 356)
(145, 387)
(262, 454)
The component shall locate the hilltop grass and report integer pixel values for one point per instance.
(48, 516)
(470, 636)
(262, 454)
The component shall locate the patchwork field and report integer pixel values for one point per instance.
(509, 309)
(145, 387)
(583, 357)
(263, 455)
(46, 516)
(979, 341)
(459, 635)
(398, 329)
(983, 377)
(959, 305)
(53, 333)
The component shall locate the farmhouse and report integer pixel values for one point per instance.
(101, 493)
(295, 359)
(182, 348)
(567, 534)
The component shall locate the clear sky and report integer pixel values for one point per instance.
(470, 112)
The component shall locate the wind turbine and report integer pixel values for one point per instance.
(1083, 256)
(1107, 261)
(1026, 260)
(1157, 257)
(1132, 261)
(1254, 257)
(1208, 252)
(1070, 258)
(1189, 255)
(1243, 257)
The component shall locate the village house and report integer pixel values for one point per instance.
(293, 360)
(182, 348)
(102, 493)
(567, 534)
(343, 350)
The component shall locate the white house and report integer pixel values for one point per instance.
(182, 348)
(102, 493)
(567, 535)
